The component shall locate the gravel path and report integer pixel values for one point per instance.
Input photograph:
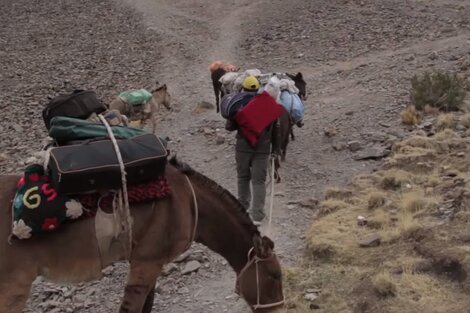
(357, 58)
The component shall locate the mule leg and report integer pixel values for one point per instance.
(292, 133)
(141, 282)
(13, 296)
(216, 86)
(154, 122)
(149, 302)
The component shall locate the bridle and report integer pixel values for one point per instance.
(256, 259)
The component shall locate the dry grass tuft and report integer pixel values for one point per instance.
(338, 193)
(414, 202)
(376, 199)
(465, 120)
(408, 227)
(330, 206)
(414, 141)
(446, 134)
(321, 251)
(433, 181)
(384, 285)
(379, 220)
(410, 116)
(394, 179)
(463, 216)
(417, 251)
(446, 121)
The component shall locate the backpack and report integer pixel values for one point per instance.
(78, 104)
(257, 115)
(233, 102)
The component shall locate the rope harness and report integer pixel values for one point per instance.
(196, 212)
(256, 260)
(121, 202)
(271, 197)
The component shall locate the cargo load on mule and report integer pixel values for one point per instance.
(91, 159)
(290, 96)
(292, 92)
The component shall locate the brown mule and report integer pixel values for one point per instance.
(160, 96)
(162, 231)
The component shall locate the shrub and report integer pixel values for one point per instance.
(446, 121)
(444, 91)
(410, 116)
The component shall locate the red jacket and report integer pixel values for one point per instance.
(257, 115)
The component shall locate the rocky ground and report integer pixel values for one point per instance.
(357, 58)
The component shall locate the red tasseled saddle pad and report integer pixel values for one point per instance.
(153, 190)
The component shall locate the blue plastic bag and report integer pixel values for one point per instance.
(292, 103)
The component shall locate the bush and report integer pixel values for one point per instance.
(444, 91)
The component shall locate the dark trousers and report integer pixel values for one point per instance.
(252, 168)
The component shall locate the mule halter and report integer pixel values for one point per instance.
(257, 260)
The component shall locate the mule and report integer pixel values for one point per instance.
(217, 85)
(198, 209)
(218, 69)
(160, 96)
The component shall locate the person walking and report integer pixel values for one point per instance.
(252, 155)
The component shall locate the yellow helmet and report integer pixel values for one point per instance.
(251, 83)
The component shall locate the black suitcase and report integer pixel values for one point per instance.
(78, 104)
(93, 166)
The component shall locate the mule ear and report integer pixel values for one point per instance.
(268, 244)
(299, 75)
(258, 245)
(263, 246)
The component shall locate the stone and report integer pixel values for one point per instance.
(361, 220)
(108, 270)
(309, 203)
(220, 139)
(17, 127)
(372, 153)
(190, 267)
(183, 256)
(331, 132)
(169, 268)
(207, 131)
(310, 297)
(433, 55)
(386, 125)
(375, 136)
(370, 241)
(3, 157)
(354, 146)
(183, 290)
(203, 106)
(339, 146)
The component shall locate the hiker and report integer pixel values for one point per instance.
(253, 154)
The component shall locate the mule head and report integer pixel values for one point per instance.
(260, 281)
(300, 84)
(162, 96)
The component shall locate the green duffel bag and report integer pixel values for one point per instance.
(67, 129)
(136, 97)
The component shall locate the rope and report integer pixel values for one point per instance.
(122, 195)
(271, 202)
(196, 212)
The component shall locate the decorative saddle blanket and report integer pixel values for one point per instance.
(39, 208)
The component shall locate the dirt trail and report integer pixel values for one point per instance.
(357, 58)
